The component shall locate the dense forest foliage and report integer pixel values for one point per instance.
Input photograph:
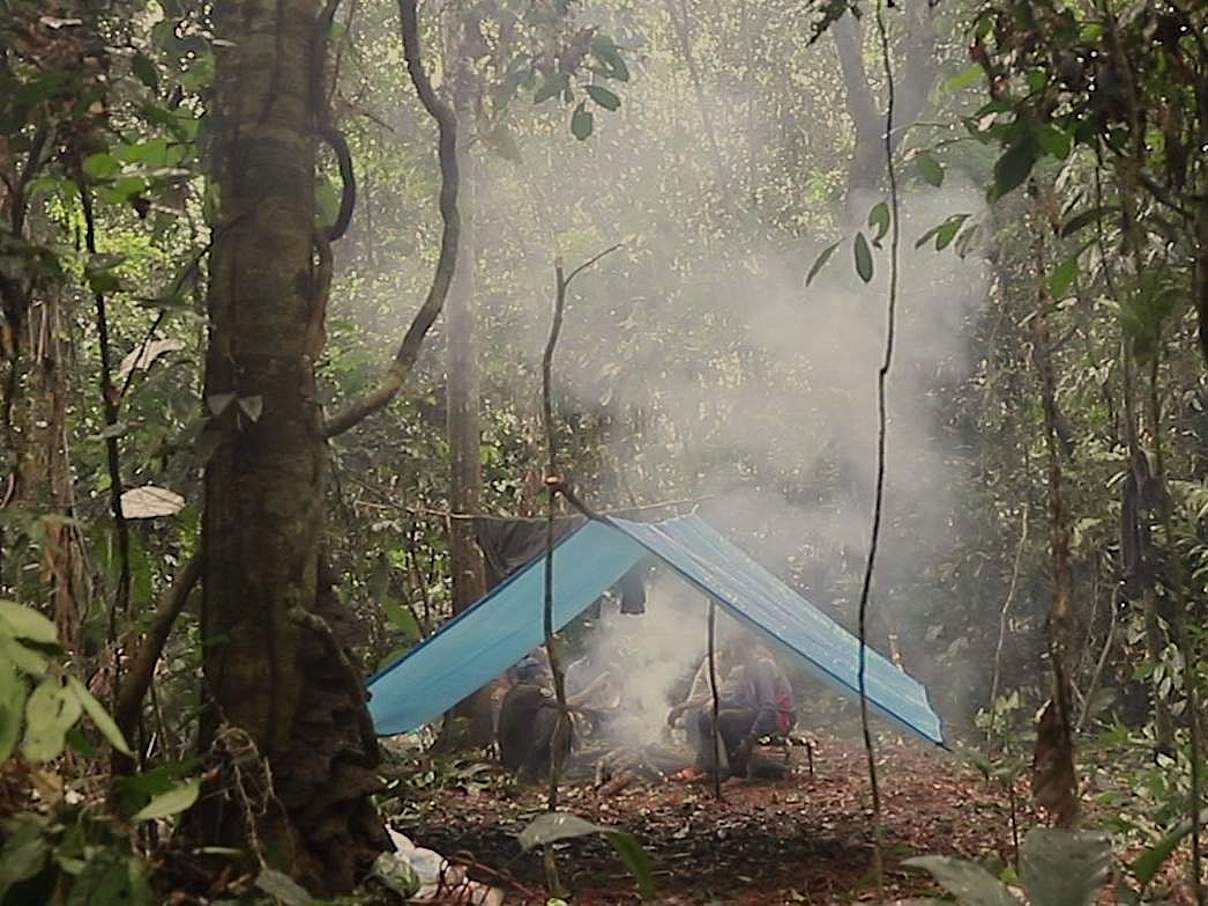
(921, 279)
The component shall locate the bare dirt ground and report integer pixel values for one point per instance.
(804, 839)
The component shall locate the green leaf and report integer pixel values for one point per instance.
(403, 620)
(553, 826)
(174, 801)
(820, 262)
(879, 217)
(635, 858)
(98, 715)
(1064, 868)
(581, 122)
(967, 77)
(970, 884)
(1054, 142)
(863, 256)
(943, 233)
(25, 659)
(1014, 167)
(12, 706)
(549, 827)
(1147, 865)
(49, 713)
(25, 851)
(1063, 275)
(284, 888)
(327, 201)
(603, 97)
(930, 169)
(145, 71)
(100, 166)
(26, 623)
(609, 55)
(102, 280)
(553, 86)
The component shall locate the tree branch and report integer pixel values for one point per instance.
(860, 102)
(404, 360)
(142, 665)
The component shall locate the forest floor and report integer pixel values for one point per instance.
(802, 839)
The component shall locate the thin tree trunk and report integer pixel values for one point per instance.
(465, 464)
(1054, 781)
(274, 668)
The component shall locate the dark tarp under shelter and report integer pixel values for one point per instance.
(501, 628)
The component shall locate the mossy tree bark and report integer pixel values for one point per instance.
(275, 665)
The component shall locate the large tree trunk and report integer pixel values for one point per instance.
(465, 464)
(275, 672)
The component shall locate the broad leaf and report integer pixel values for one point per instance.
(603, 97)
(1064, 868)
(820, 262)
(98, 715)
(553, 826)
(1014, 167)
(878, 217)
(251, 406)
(966, 78)
(1063, 276)
(609, 55)
(149, 501)
(635, 858)
(25, 659)
(173, 802)
(24, 853)
(1147, 865)
(550, 88)
(581, 122)
(403, 619)
(284, 888)
(142, 357)
(969, 883)
(144, 70)
(863, 256)
(12, 707)
(26, 623)
(1054, 142)
(49, 713)
(930, 169)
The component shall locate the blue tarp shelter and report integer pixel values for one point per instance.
(501, 628)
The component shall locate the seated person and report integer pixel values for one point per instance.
(701, 693)
(528, 717)
(755, 699)
(592, 690)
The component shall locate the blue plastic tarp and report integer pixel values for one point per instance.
(497, 631)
